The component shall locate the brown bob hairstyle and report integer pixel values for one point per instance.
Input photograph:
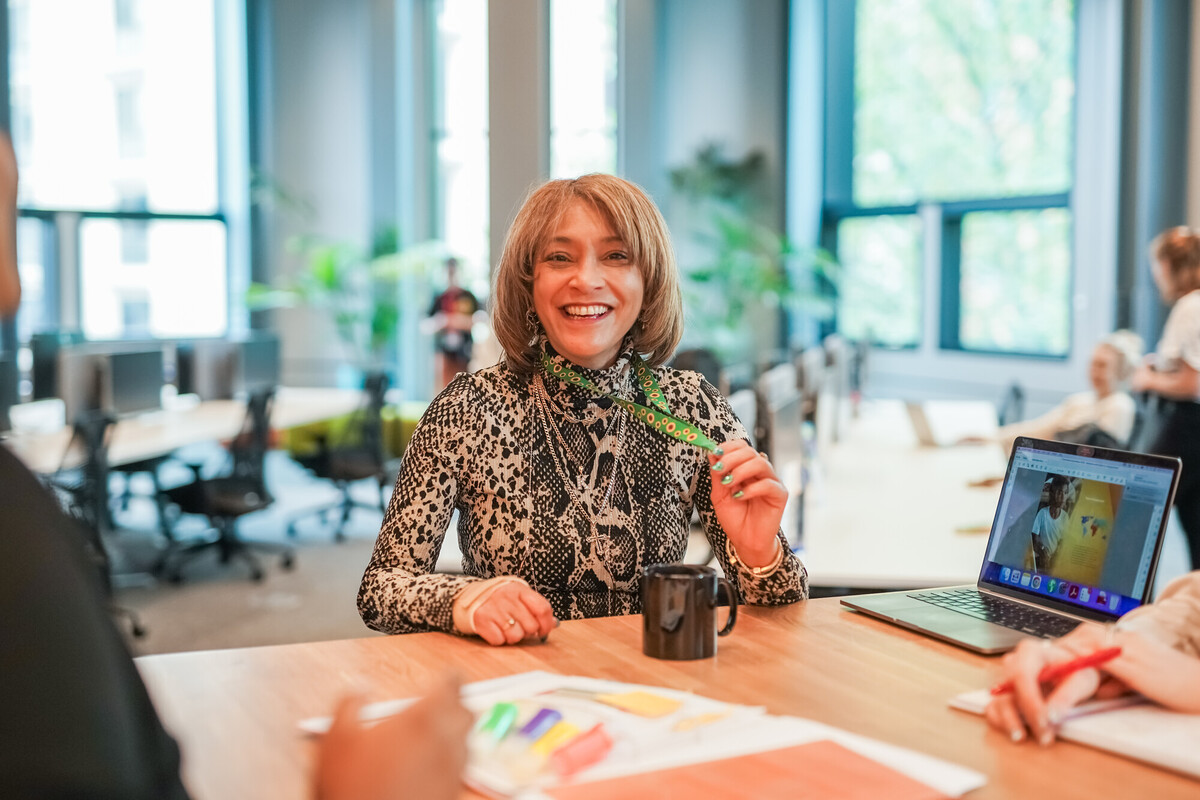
(1176, 251)
(634, 217)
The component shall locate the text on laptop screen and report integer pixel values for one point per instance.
(1080, 529)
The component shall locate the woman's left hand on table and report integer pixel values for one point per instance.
(749, 500)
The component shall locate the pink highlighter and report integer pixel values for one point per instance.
(582, 751)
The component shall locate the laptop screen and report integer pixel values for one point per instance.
(1080, 527)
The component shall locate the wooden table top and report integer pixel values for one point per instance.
(235, 711)
(883, 512)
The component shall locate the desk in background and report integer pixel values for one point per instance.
(234, 712)
(158, 433)
(883, 512)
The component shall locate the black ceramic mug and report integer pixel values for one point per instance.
(679, 611)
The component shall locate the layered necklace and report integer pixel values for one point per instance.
(600, 543)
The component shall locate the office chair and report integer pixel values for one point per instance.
(357, 454)
(150, 467)
(226, 498)
(1012, 406)
(83, 493)
(703, 361)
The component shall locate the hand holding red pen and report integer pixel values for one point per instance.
(1051, 673)
(1035, 707)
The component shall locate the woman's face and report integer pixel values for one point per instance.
(586, 289)
(1102, 372)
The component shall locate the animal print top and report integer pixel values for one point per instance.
(482, 448)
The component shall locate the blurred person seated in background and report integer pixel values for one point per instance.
(1102, 416)
(1160, 658)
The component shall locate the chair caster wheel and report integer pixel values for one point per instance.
(340, 536)
(256, 576)
(175, 578)
(288, 561)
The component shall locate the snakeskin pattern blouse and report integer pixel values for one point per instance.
(483, 448)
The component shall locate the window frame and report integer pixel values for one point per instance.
(60, 226)
(941, 324)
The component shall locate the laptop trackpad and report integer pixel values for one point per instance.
(942, 623)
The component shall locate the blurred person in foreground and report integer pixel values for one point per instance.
(77, 720)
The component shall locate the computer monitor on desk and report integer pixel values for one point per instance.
(133, 381)
(259, 365)
(123, 382)
(207, 368)
(219, 369)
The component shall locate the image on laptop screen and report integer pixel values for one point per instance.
(1082, 530)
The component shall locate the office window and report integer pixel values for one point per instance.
(1016, 281)
(881, 260)
(968, 110)
(34, 240)
(112, 287)
(120, 104)
(460, 135)
(583, 87)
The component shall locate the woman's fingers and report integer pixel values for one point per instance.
(740, 467)
(540, 612)
(1070, 692)
(514, 613)
(489, 631)
(1002, 715)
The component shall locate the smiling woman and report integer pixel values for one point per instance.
(579, 459)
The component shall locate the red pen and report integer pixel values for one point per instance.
(1055, 671)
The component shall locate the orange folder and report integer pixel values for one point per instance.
(821, 769)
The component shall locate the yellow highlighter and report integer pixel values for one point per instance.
(560, 734)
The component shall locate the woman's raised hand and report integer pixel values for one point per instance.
(512, 613)
(749, 501)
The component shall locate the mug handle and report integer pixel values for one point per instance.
(731, 596)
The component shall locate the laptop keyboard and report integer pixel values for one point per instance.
(1000, 611)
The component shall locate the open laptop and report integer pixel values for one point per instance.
(1077, 535)
(941, 423)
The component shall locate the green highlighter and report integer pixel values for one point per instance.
(499, 720)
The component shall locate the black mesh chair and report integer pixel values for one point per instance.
(354, 454)
(224, 499)
(83, 493)
(148, 466)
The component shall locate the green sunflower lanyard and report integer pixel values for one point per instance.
(659, 417)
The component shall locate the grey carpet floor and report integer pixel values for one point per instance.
(218, 605)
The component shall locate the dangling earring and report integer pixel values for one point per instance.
(531, 319)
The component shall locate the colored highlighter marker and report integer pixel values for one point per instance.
(582, 751)
(499, 720)
(540, 723)
(556, 737)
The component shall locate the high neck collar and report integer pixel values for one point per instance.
(610, 380)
